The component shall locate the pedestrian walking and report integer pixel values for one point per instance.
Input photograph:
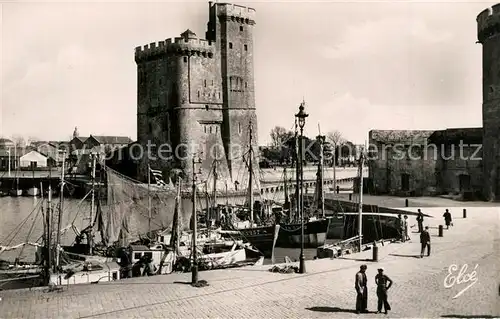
(420, 221)
(447, 219)
(360, 285)
(407, 237)
(383, 284)
(425, 241)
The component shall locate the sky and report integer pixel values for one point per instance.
(358, 65)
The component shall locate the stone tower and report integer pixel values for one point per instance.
(488, 34)
(196, 96)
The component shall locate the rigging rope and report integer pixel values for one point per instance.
(16, 229)
(30, 231)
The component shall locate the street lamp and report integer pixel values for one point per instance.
(301, 117)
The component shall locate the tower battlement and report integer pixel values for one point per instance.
(236, 13)
(180, 46)
(488, 23)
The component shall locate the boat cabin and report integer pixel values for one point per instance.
(162, 259)
(88, 272)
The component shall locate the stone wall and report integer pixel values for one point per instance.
(488, 23)
(395, 154)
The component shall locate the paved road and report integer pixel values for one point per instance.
(325, 291)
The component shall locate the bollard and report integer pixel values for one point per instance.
(375, 251)
(465, 213)
(350, 196)
(338, 189)
(440, 230)
(406, 202)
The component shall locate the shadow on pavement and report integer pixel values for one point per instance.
(356, 259)
(330, 309)
(410, 256)
(465, 316)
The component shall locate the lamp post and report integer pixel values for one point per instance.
(301, 117)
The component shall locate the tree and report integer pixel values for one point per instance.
(31, 139)
(336, 140)
(18, 140)
(277, 136)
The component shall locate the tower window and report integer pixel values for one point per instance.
(219, 95)
(230, 45)
(241, 28)
(246, 47)
(185, 59)
(150, 128)
(216, 129)
(206, 107)
(205, 128)
(245, 85)
(210, 129)
(159, 82)
(205, 83)
(198, 93)
(239, 128)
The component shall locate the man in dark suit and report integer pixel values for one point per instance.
(361, 290)
(425, 241)
(383, 284)
(420, 220)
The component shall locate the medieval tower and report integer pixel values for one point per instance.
(195, 98)
(488, 34)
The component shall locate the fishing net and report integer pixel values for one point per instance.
(126, 217)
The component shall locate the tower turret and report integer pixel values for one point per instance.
(488, 34)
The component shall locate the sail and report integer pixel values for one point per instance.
(126, 214)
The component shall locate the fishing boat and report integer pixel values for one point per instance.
(316, 226)
(241, 218)
(33, 191)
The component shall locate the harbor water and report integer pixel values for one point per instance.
(21, 220)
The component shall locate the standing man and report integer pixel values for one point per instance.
(383, 284)
(406, 227)
(425, 241)
(361, 290)
(447, 218)
(399, 225)
(420, 220)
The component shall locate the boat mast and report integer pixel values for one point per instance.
(48, 257)
(194, 267)
(208, 216)
(58, 235)
(250, 179)
(297, 170)
(287, 200)
(360, 223)
(149, 200)
(321, 139)
(214, 201)
(89, 238)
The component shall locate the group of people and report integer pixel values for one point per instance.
(383, 283)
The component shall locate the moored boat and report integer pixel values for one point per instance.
(33, 191)
(314, 234)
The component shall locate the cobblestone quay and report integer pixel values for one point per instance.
(327, 290)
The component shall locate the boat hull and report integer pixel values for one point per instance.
(314, 234)
(16, 192)
(33, 191)
(261, 238)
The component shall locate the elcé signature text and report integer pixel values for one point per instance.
(462, 277)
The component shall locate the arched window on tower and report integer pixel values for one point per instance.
(239, 128)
